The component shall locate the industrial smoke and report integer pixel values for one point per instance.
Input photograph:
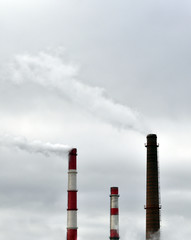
(34, 146)
(53, 73)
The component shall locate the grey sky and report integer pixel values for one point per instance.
(112, 72)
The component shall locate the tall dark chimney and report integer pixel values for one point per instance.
(152, 199)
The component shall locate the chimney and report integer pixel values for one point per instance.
(72, 196)
(152, 199)
(114, 214)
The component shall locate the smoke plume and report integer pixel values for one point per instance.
(34, 146)
(50, 71)
(155, 236)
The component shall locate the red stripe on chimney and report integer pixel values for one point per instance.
(114, 211)
(72, 200)
(72, 234)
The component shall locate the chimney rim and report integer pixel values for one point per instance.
(73, 151)
(152, 135)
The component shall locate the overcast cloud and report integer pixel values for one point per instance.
(98, 76)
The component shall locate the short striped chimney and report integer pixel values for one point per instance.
(72, 196)
(114, 214)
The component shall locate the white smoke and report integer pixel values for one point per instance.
(50, 71)
(34, 146)
(155, 236)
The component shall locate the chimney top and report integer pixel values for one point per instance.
(151, 135)
(73, 151)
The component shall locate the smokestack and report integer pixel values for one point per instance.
(152, 199)
(114, 214)
(72, 197)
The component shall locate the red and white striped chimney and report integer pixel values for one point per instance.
(114, 214)
(72, 197)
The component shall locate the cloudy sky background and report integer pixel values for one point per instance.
(99, 76)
